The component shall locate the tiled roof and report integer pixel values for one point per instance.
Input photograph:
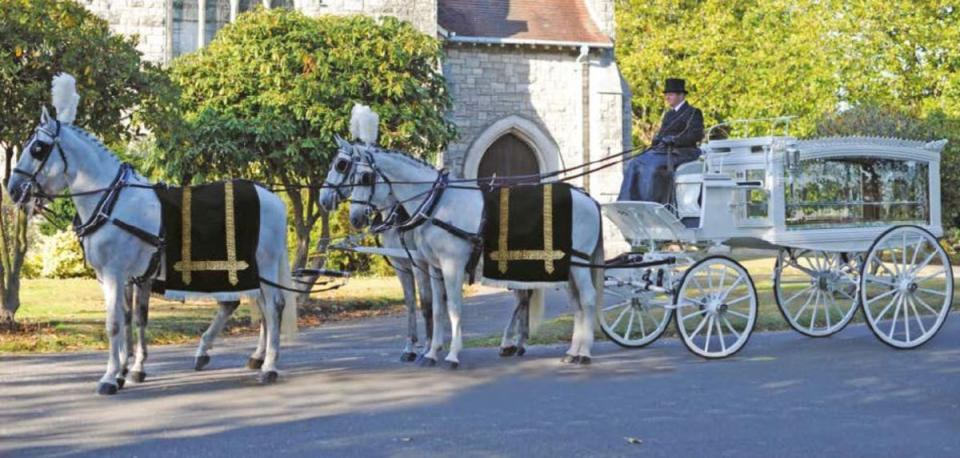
(537, 20)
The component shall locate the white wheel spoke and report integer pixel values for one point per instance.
(730, 326)
(796, 317)
(826, 307)
(723, 345)
(906, 315)
(619, 317)
(928, 277)
(881, 296)
(739, 299)
(697, 313)
(880, 263)
(629, 323)
(880, 280)
(643, 330)
(884, 311)
(795, 295)
(709, 333)
(931, 291)
(925, 305)
(730, 289)
(723, 278)
(617, 305)
(813, 316)
(736, 313)
(896, 312)
(916, 316)
(696, 331)
(926, 261)
(916, 251)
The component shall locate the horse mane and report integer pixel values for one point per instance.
(407, 157)
(92, 139)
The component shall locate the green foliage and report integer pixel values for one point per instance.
(266, 97)
(751, 59)
(56, 256)
(40, 38)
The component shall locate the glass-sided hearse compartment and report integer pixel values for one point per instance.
(855, 191)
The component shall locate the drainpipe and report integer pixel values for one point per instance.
(585, 110)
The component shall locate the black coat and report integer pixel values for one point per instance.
(681, 128)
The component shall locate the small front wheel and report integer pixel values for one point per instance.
(716, 307)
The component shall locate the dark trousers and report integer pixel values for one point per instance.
(647, 178)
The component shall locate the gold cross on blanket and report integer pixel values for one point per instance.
(548, 255)
(231, 265)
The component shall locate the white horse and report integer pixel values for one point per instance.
(336, 190)
(121, 218)
(450, 231)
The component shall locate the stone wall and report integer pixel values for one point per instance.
(145, 18)
(421, 13)
(490, 83)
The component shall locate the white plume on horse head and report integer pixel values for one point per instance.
(65, 97)
(364, 124)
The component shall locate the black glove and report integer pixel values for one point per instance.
(668, 140)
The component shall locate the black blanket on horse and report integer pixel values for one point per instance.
(211, 234)
(527, 235)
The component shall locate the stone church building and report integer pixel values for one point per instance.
(535, 84)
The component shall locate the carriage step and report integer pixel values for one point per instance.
(691, 223)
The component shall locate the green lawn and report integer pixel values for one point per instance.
(66, 315)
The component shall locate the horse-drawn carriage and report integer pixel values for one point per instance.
(854, 222)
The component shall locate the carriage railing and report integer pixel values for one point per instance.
(750, 127)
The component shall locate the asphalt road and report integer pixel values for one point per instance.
(344, 392)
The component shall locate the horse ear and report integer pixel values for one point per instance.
(341, 142)
(44, 115)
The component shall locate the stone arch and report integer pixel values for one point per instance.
(544, 148)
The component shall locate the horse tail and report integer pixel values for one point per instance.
(597, 273)
(537, 309)
(288, 320)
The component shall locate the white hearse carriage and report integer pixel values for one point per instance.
(854, 221)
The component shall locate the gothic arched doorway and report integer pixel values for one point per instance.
(508, 156)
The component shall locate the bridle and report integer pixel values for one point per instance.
(343, 166)
(41, 151)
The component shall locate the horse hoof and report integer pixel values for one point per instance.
(201, 362)
(138, 377)
(428, 362)
(120, 382)
(508, 351)
(521, 351)
(268, 377)
(453, 365)
(584, 361)
(124, 373)
(570, 359)
(107, 389)
(408, 356)
(254, 364)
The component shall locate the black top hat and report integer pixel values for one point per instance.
(675, 85)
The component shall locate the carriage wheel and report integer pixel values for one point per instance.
(906, 286)
(633, 317)
(816, 291)
(716, 307)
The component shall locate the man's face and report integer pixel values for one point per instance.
(673, 98)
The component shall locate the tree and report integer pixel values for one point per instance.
(38, 39)
(266, 97)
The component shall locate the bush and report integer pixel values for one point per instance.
(57, 256)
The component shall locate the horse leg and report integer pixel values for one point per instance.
(509, 344)
(524, 332)
(256, 359)
(426, 301)
(574, 295)
(206, 340)
(437, 289)
(410, 299)
(141, 306)
(127, 351)
(114, 297)
(453, 284)
(271, 301)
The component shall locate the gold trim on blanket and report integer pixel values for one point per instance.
(230, 265)
(548, 255)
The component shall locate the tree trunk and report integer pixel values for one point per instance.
(319, 260)
(13, 250)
